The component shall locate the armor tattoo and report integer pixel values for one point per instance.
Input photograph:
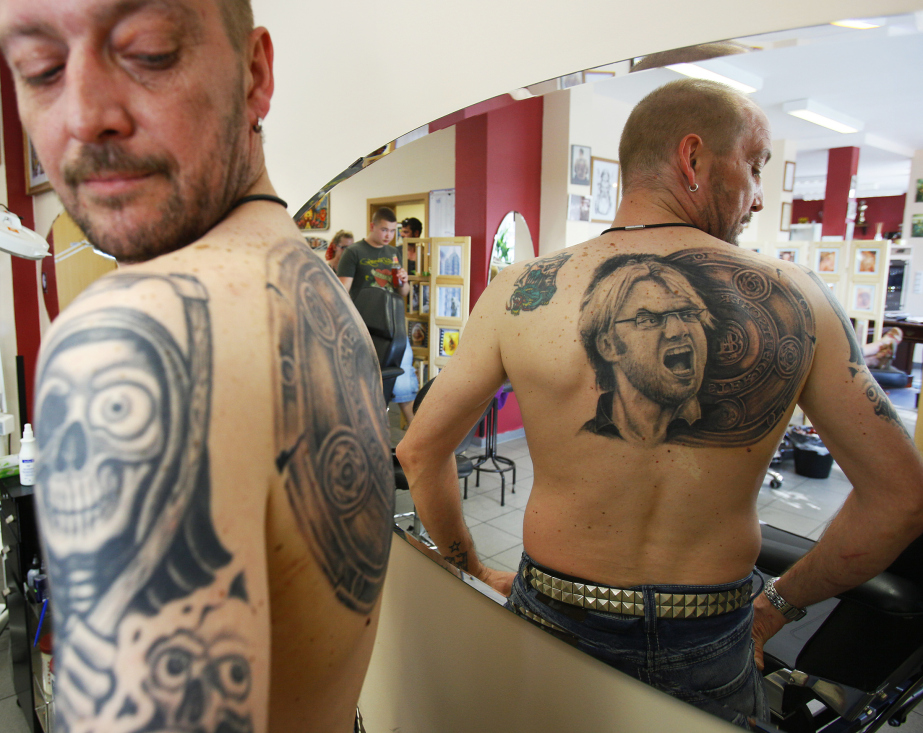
(331, 436)
(719, 343)
(857, 368)
(123, 489)
(535, 286)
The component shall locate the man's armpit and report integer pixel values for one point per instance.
(331, 434)
(123, 487)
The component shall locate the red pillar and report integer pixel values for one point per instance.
(842, 165)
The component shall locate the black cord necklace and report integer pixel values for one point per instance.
(648, 226)
(258, 197)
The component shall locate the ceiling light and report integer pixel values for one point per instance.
(700, 72)
(808, 109)
(859, 25)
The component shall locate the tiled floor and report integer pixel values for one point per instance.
(802, 505)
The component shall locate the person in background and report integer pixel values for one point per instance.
(342, 240)
(213, 566)
(368, 264)
(411, 227)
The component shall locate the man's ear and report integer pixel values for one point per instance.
(691, 150)
(261, 78)
(607, 348)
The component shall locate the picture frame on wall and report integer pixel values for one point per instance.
(448, 341)
(449, 301)
(604, 189)
(863, 297)
(785, 224)
(580, 165)
(868, 261)
(418, 332)
(789, 255)
(316, 217)
(450, 262)
(919, 195)
(578, 207)
(424, 298)
(413, 301)
(916, 226)
(36, 178)
(788, 178)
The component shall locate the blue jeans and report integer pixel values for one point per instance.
(706, 661)
(405, 386)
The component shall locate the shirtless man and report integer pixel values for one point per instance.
(215, 491)
(671, 520)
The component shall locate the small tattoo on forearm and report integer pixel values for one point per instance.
(459, 560)
(536, 285)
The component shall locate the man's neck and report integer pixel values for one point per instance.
(644, 206)
(373, 243)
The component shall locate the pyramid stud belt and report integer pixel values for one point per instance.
(631, 602)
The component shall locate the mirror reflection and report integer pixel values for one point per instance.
(538, 171)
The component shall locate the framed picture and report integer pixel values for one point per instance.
(828, 261)
(448, 341)
(448, 301)
(916, 226)
(863, 297)
(785, 224)
(419, 334)
(580, 165)
(919, 196)
(604, 190)
(36, 178)
(788, 179)
(315, 217)
(868, 260)
(571, 80)
(578, 208)
(789, 255)
(450, 260)
(424, 298)
(413, 300)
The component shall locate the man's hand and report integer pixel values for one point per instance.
(500, 580)
(766, 623)
(402, 276)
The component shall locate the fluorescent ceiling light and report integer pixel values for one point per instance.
(808, 109)
(700, 72)
(855, 24)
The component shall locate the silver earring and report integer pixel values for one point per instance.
(693, 189)
(258, 127)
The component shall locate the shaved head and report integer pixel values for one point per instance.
(237, 16)
(714, 112)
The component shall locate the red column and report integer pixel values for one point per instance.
(842, 165)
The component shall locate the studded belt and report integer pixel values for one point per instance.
(631, 602)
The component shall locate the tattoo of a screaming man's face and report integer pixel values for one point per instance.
(123, 487)
(536, 285)
(700, 347)
(331, 434)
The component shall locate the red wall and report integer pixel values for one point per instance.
(498, 169)
(889, 210)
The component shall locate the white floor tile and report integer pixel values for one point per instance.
(777, 515)
(491, 541)
(510, 522)
(484, 508)
(510, 558)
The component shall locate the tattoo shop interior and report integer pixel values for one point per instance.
(503, 159)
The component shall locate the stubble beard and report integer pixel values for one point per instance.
(187, 213)
(657, 387)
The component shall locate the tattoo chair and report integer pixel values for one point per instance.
(383, 313)
(855, 662)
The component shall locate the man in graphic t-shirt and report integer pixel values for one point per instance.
(367, 264)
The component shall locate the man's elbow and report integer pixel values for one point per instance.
(408, 455)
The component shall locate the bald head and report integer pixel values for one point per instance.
(714, 112)
(237, 16)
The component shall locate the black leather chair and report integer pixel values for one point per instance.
(383, 314)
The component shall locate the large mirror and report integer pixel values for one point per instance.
(555, 183)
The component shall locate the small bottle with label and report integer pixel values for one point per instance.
(27, 457)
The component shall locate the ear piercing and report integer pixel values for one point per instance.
(693, 189)
(258, 127)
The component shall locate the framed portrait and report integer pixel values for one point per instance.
(916, 226)
(828, 261)
(785, 224)
(789, 255)
(413, 299)
(449, 301)
(919, 197)
(570, 80)
(448, 341)
(788, 178)
(36, 178)
(419, 334)
(868, 261)
(424, 298)
(863, 297)
(604, 190)
(580, 165)
(578, 207)
(450, 260)
(316, 216)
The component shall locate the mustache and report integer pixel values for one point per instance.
(108, 158)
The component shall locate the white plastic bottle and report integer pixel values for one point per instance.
(27, 457)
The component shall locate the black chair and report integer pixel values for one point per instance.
(383, 313)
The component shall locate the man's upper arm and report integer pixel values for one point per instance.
(852, 413)
(150, 601)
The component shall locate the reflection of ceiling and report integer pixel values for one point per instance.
(875, 76)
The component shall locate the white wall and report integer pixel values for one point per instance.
(423, 165)
(914, 302)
